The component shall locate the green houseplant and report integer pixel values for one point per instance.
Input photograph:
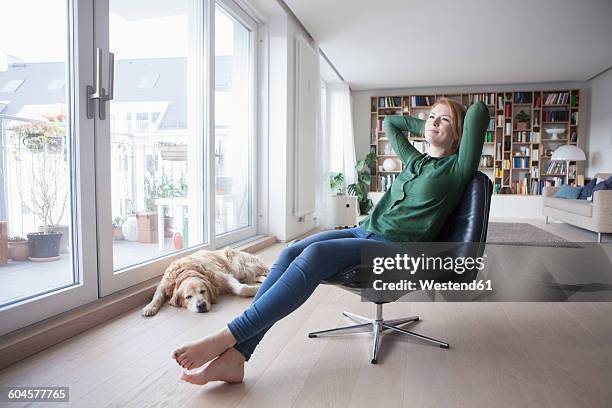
(361, 187)
(336, 183)
(522, 119)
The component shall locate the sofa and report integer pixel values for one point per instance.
(595, 215)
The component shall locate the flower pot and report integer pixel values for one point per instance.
(65, 230)
(44, 246)
(19, 250)
(521, 126)
(118, 233)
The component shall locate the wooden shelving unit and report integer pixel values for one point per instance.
(516, 155)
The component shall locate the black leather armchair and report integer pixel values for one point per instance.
(467, 224)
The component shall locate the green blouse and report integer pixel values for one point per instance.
(429, 188)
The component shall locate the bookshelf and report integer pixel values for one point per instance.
(525, 127)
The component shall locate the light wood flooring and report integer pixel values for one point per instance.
(501, 355)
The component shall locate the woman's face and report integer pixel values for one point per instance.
(438, 130)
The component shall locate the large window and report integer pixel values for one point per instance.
(119, 150)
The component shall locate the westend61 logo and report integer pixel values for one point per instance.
(424, 263)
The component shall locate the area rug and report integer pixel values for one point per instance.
(523, 234)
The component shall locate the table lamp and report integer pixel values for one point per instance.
(568, 153)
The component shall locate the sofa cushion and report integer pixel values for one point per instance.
(568, 192)
(587, 190)
(603, 185)
(579, 207)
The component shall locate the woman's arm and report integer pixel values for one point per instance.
(393, 127)
(472, 139)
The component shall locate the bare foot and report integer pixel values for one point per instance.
(228, 367)
(197, 353)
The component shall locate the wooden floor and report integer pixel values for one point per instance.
(502, 355)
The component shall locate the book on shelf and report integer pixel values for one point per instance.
(498, 150)
(575, 100)
(389, 102)
(556, 167)
(487, 98)
(535, 154)
(574, 136)
(508, 129)
(491, 124)
(557, 98)
(574, 119)
(538, 101)
(535, 137)
(500, 102)
(555, 116)
(500, 120)
(535, 172)
(522, 97)
(507, 110)
(416, 101)
(520, 162)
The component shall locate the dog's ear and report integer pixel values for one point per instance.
(228, 252)
(176, 299)
(212, 288)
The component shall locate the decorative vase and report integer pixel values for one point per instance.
(130, 229)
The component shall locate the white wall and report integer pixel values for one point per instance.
(361, 105)
(283, 32)
(599, 145)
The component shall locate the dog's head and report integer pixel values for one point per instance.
(194, 288)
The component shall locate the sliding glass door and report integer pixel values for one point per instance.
(126, 140)
(157, 178)
(47, 205)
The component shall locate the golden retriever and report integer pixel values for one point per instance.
(197, 280)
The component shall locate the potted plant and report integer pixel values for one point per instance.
(336, 183)
(361, 187)
(18, 248)
(41, 150)
(118, 229)
(522, 119)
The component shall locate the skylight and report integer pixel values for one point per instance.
(148, 81)
(56, 85)
(12, 85)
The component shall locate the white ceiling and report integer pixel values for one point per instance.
(377, 44)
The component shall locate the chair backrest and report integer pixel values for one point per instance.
(469, 221)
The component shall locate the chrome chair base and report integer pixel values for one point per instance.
(375, 326)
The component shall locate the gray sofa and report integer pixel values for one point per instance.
(595, 216)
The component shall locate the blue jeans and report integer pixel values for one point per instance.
(297, 272)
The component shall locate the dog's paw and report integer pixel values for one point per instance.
(248, 290)
(148, 310)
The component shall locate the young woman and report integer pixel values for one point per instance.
(413, 209)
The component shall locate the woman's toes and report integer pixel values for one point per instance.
(178, 352)
(196, 378)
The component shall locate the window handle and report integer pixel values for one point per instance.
(96, 91)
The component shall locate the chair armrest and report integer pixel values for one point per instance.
(602, 207)
(549, 191)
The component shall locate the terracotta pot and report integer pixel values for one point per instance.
(521, 126)
(118, 233)
(19, 250)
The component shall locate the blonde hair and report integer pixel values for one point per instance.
(457, 115)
